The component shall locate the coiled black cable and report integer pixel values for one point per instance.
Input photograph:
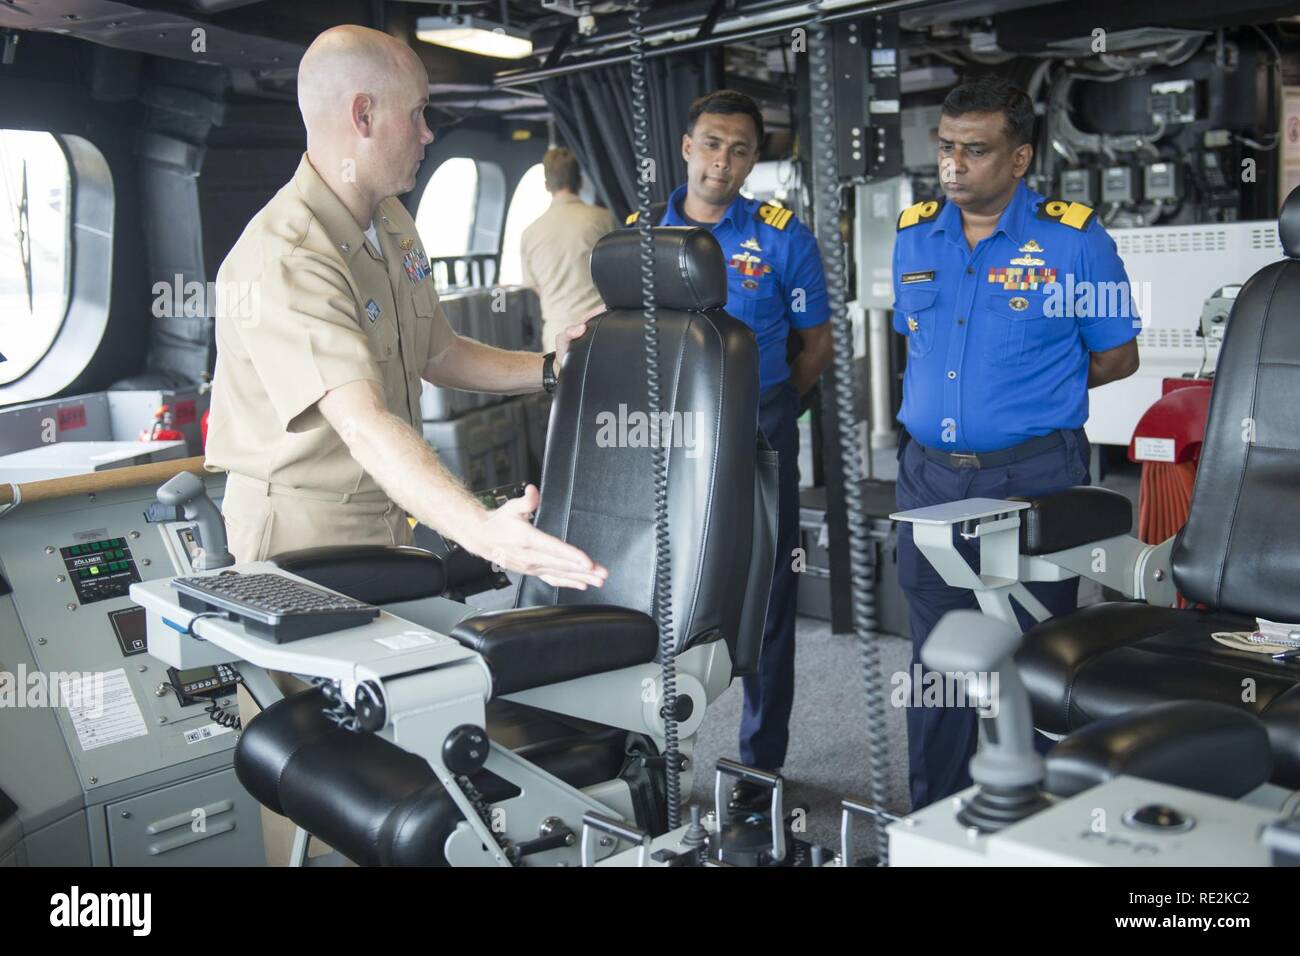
(223, 718)
(826, 204)
(659, 455)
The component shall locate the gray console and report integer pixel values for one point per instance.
(107, 757)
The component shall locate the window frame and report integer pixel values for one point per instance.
(89, 265)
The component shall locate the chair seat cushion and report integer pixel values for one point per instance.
(1114, 658)
(380, 805)
(1211, 748)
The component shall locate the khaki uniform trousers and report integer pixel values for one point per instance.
(263, 520)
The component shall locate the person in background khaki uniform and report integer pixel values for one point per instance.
(556, 249)
(327, 321)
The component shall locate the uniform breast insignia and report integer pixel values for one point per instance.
(1073, 214)
(373, 311)
(778, 217)
(752, 245)
(750, 284)
(1028, 260)
(1019, 278)
(912, 324)
(416, 265)
(1019, 303)
(406, 243)
(750, 266)
(920, 212)
(909, 277)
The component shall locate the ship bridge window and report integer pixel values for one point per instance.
(528, 203)
(35, 246)
(459, 221)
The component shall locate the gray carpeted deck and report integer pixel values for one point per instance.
(827, 758)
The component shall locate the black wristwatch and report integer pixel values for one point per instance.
(549, 381)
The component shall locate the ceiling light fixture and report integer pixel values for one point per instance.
(475, 35)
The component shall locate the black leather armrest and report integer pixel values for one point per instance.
(1073, 517)
(376, 574)
(1212, 748)
(536, 646)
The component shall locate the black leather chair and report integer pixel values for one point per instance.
(1238, 554)
(379, 804)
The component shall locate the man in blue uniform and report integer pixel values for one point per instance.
(999, 363)
(775, 284)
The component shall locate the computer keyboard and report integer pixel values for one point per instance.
(272, 606)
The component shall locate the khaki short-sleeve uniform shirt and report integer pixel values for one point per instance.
(304, 305)
(555, 252)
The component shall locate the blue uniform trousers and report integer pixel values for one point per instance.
(769, 694)
(941, 740)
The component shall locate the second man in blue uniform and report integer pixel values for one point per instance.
(775, 284)
(999, 363)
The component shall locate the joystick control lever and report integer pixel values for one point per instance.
(975, 649)
(188, 492)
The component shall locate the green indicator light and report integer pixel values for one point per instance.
(94, 569)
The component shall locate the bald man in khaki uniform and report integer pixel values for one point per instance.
(555, 250)
(333, 308)
(327, 322)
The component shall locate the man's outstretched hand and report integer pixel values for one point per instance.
(507, 538)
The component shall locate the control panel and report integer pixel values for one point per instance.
(113, 734)
(1126, 821)
(100, 569)
(70, 563)
(195, 685)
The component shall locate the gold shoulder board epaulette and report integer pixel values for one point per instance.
(632, 217)
(1073, 214)
(776, 216)
(920, 212)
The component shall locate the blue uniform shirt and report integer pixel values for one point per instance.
(998, 337)
(774, 275)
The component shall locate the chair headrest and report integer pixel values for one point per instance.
(1288, 225)
(690, 275)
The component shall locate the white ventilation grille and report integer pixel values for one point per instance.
(1180, 242)
(1264, 237)
(1172, 339)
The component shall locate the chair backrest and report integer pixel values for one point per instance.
(1240, 548)
(597, 481)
